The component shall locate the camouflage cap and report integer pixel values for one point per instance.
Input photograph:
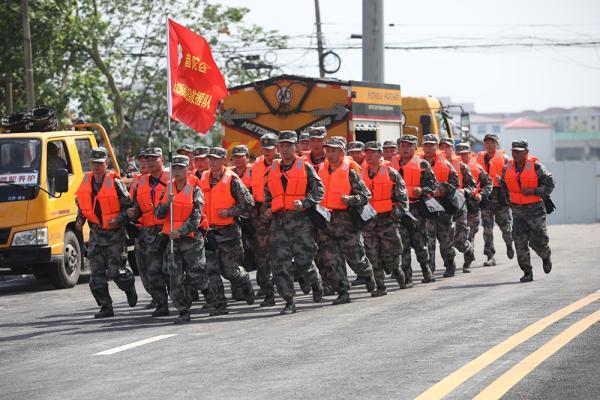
(375, 146)
(217, 152)
(335, 142)
(240, 149)
(181, 160)
(141, 154)
(491, 136)
(463, 148)
(520, 145)
(412, 139)
(343, 139)
(98, 154)
(186, 147)
(153, 152)
(201, 151)
(288, 136)
(448, 141)
(389, 143)
(268, 141)
(303, 137)
(430, 139)
(356, 146)
(318, 132)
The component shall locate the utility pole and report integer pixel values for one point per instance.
(319, 40)
(27, 54)
(372, 41)
(8, 95)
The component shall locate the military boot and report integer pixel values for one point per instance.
(527, 277)
(427, 275)
(343, 298)
(491, 261)
(398, 274)
(237, 292)
(249, 295)
(547, 264)
(208, 299)
(194, 295)
(269, 300)
(162, 310)
(132, 297)
(510, 251)
(184, 316)
(450, 269)
(360, 280)
(317, 290)
(469, 258)
(370, 282)
(304, 285)
(105, 312)
(380, 291)
(151, 305)
(220, 309)
(407, 283)
(328, 290)
(290, 308)
(466, 268)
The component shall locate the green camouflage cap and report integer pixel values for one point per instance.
(412, 139)
(463, 148)
(335, 142)
(288, 136)
(186, 147)
(304, 136)
(318, 132)
(268, 141)
(240, 149)
(141, 154)
(98, 154)
(520, 145)
(343, 139)
(153, 152)
(430, 139)
(217, 152)
(356, 146)
(201, 151)
(375, 146)
(181, 160)
(448, 141)
(389, 143)
(491, 136)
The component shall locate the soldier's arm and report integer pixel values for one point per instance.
(453, 179)
(244, 200)
(268, 196)
(80, 216)
(545, 180)
(399, 192)
(360, 195)
(314, 188)
(485, 183)
(428, 182)
(161, 210)
(193, 221)
(469, 184)
(124, 200)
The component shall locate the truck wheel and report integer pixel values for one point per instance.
(65, 274)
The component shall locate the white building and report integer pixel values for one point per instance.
(539, 135)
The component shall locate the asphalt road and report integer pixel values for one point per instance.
(397, 346)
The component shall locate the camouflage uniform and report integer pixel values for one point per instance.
(107, 251)
(186, 265)
(383, 244)
(461, 228)
(292, 246)
(473, 209)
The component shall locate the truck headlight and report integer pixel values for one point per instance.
(31, 237)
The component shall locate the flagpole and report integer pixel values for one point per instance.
(170, 136)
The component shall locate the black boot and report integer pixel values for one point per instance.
(510, 251)
(304, 285)
(249, 295)
(194, 295)
(237, 292)
(105, 312)
(380, 291)
(343, 298)
(184, 316)
(491, 261)
(151, 305)
(450, 269)
(360, 280)
(209, 299)
(408, 283)
(290, 308)
(220, 309)
(132, 297)
(269, 300)
(328, 290)
(162, 310)
(427, 275)
(317, 290)
(398, 274)
(370, 282)
(527, 277)
(547, 264)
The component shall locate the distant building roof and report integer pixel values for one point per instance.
(524, 123)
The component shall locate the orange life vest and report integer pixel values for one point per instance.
(411, 173)
(107, 198)
(134, 183)
(308, 159)
(475, 171)
(336, 184)
(380, 187)
(295, 188)
(515, 181)
(456, 161)
(258, 180)
(246, 177)
(147, 202)
(218, 197)
(496, 165)
(183, 204)
(441, 170)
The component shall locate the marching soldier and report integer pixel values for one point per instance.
(240, 161)
(341, 241)
(303, 143)
(188, 151)
(293, 186)
(150, 191)
(389, 198)
(390, 150)
(356, 150)
(185, 260)
(225, 199)
(200, 160)
(316, 155)
(496, 208)
(102, 201)
(484, 188)
(420, 184)
(528, 183)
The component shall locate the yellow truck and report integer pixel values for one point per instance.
(39, 175)
(356, 110)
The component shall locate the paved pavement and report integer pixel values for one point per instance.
(397, 346)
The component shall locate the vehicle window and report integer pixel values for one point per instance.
(58, 156)
(442, 126)
(20, 160)
(84, 148)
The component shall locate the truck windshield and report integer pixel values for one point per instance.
(20, 161)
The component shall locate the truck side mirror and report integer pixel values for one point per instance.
(61, 180)
(465, 126)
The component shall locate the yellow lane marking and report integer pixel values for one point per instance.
(511, 377)
(452, 381)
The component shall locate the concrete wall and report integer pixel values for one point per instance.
(577, 192)
(541, 141)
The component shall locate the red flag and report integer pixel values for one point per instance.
(195, 83)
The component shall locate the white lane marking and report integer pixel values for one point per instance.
(133, 345)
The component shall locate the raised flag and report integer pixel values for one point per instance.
(195, 83)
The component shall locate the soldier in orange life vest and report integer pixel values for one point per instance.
(468, 186)
(141, 160)
(496, 208)
(292, 187)
(200, 160)
(102, 200)
(260, 216)
(240, 162)
(528, 183)
(188, 151)
(186, 264)
(484, 188)
(303, 143)
(420, 183)
(225, 199)
(440, 226)
(150, 191)
(316, 155)
(341, 241)
(390, 199)
(356, 150)
(390, 150)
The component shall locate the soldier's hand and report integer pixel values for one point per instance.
(223, 213)
(345, 199)
(174, 235)
(477, 197)
(418, 191)
(268, 212)
(131, 213)
(169, 199)
(113, 223)
(298, 205)
(79, 225)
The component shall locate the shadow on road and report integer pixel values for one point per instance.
(477, 285)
